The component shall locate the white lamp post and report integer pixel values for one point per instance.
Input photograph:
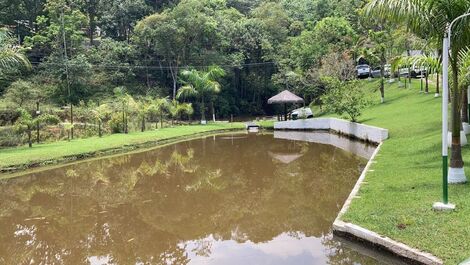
(457, 175)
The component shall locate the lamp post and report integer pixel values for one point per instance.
(445, 205)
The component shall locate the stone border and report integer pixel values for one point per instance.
(349, 230)
(355, 130)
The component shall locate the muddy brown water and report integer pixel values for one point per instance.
(226, 199)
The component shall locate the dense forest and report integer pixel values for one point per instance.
(82, 50)
(114, 66)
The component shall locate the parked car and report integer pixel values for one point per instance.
(417, 72)
(302, 113)
(363, 71)
(375, 72)
(387, 70)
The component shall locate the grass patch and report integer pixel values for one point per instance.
(50, 151)
(266, 124)
(397, 199)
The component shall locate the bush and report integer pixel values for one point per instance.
(345, 98)
(116, 124)
(10, 138)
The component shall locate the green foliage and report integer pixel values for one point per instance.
(26, 123)
(22, 93)
(10, 54)
(63, 21)
(345, 98)
(334, 32)
(116, 123)
(120, 16)
(178, 110)
(201, 84)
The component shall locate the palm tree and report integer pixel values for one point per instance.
(126, 104)
(144, 107)
(10, 54)
(26, 123)
(201, 84)
(160, 106)
(429, 19)
(100, 113)
(177, 109)
(432, 65)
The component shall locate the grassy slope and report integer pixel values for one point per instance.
(42, 152)
(406, 180)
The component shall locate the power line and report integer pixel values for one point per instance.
(158, 67)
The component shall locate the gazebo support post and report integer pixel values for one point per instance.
(285, 112)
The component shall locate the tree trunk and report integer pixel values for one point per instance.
(99, 129)
(409, 67)
(464, 112)
(127, 122)
(173, 73)
(143, 124)
(213, 111)
(437, 83)
(30, 142)
(123, 121)
(71, 120)
(37, 123)
(456, 160)
(382, 78)
(426, 90)
(203, 110)
(161, 120)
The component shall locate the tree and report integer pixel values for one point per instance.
(22, 93)
(178, 110)
(429, 19)
(432, 65)
(10, 53)
(126, 104)
(180, 36)
(144, 107)
(345, 98)
(26, 123)
(59, 30)
(161, 106)
(118, 17)
(201, 84)
(100, 113)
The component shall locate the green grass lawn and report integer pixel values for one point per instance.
(49, 151)
(397, 196)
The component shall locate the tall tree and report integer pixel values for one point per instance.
(201, 84)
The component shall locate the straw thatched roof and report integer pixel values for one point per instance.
(285, 97)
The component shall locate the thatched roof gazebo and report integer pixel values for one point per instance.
(285, 97)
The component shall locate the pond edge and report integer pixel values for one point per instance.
(374, 240)
(6, 171)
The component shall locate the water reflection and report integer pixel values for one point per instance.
(339, 141)
(245, 199)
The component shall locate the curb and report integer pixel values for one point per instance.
(358, 233)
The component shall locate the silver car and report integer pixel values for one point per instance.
(363, 70)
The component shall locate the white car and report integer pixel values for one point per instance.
(302, 113)
(363, 70)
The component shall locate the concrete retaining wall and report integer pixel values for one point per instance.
(356, 130)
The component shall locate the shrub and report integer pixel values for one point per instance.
(9, 137)
(345, 98)
(115, 123)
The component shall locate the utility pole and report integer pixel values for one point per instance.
(67, 73)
